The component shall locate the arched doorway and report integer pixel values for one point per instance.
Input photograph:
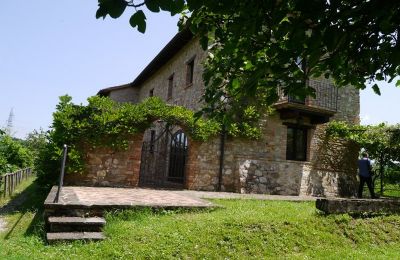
(164, 156)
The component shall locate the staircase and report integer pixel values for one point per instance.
(72, 228)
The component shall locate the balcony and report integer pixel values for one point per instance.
(318, 109)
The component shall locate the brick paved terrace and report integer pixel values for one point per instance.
(92, 197)
(79, 200)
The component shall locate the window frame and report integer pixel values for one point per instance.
(292, 154)
(190, 71)
(152, 140)
(170, 86)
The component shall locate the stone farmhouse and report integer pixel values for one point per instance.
(293, 156)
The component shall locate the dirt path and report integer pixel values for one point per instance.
(3, 224)
(11, 206)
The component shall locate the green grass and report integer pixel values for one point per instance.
(241, 229)
(390, 190)
(19, 189)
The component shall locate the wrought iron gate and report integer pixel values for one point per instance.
(177, 157)
(164, 157)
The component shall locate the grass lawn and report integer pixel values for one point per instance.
(241, 229)
(389, 190)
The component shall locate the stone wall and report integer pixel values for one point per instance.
(182, 94)
(348, 105)
(203, 165)
(250, 166)
(333, 167)
(253, 166)
(127, 94)
(260, 166)
(106, 166)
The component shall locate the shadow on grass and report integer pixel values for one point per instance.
(142, 212)
(30, 200)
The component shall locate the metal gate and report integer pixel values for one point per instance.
(164, 158)
(177, 157)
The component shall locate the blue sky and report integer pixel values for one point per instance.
(51, 48)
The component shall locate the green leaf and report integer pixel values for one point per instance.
(248, 65)
(172, 6)
(379, 76)
(198, 115)
(235, 84)
(138, 19)
(376, 89)
(115, 8)
(285, 19)
(398, 83)
(179, 5)
(101, 12)
(153, 5)
(204, 42)
(194, 4)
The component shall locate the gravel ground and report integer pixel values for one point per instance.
(3, 225)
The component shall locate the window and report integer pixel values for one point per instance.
(170, 86)
(296, 147)
(189, 72)
(152, 140)
(151, 92)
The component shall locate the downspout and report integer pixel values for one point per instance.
(221, 157)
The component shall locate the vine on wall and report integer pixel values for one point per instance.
(106, 123)
(381, 142)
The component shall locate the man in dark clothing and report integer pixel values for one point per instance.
(365, 174)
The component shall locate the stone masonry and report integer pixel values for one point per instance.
(108, 167)
(249, 166)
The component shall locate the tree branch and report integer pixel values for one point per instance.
(132, 4)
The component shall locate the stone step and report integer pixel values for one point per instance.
(357, 206)
(73, 211)
(71, 224)
(56, 237)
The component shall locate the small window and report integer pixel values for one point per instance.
(152, 139)
(151, 92)
(189, 72)
(170, 86)
(296, 147)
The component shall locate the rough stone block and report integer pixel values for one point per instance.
(339, 206)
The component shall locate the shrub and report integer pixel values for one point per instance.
(13, 154)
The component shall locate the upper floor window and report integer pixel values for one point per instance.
(189, 72)
(152, 140)
(170, 86)
(296, 146)
(151, 92)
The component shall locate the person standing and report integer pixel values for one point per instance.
(365, 174)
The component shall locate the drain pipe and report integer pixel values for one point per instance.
(221, 158)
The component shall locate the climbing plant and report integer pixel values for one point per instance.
(106, 123)
(381, 142)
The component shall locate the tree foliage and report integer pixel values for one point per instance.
(13, 154)
(256, 46)
(381, 142)
(35, 141)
